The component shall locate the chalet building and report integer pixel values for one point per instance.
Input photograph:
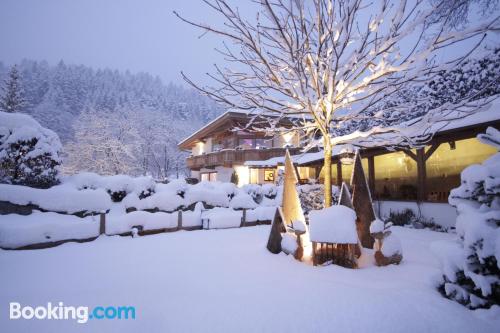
(222, 147)
(422, 175)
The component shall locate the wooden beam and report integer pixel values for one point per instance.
(421, 175)
(410, 153)
(371, 174)
(339, 173)
(431, 150)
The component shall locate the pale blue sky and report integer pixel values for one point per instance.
(123, 34)
(139, 35)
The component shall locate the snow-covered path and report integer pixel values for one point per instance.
(226, 281)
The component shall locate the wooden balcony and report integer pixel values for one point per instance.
(229, 157)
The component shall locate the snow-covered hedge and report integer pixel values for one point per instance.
(117, 186)
(29, 153)
(18, 230)
(59, 198)
(471, 265)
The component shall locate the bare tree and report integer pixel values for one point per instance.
(325, 61)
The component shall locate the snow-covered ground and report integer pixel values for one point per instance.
(226, 281)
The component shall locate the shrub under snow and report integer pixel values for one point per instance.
(29, 153)
(472, 264)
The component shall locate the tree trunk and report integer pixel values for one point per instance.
(327, 166)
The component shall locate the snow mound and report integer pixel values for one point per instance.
(218, 218)
(335, 224)
(149, 221)
(376, 226)
(19, 230)
(60, 198)
(391, 246)
(289, 244)
(242, 200)
(212, 193)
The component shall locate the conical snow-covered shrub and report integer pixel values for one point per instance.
(472, 263)
(29, 153)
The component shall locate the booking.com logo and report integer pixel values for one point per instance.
(60, 311)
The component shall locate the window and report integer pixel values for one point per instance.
(448, 161)
(269, 175)
(263, 143)
(209, 176)
(254, 176)
(395, 176)
(246, 143)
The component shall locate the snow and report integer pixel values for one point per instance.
(391, 246)
(335, 224)
(60, 198)
(114, 183)
(261, 214)
(206, 281)
(18, 230)
(376, 226)
(122, 223)
(288, 243)
(299, 225)
(242, 201)
(219, 217)
(212, 193)
(15, 127)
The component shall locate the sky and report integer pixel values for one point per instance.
(120, 34)
(138, 35)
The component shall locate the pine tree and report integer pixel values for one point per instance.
(12, 99)
(471, 270)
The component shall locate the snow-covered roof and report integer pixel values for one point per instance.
(488, 114)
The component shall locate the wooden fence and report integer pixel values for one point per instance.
(16, 209)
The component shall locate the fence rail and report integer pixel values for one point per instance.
(139, 229)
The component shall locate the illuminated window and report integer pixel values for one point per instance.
(269, 175)
(395, 176)
(445, 165)
(209, 176)
(254, 176)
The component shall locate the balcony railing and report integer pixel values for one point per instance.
(229, 157)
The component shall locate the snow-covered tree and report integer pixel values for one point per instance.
(29, 153)
(472, 263)
(475, 79)
(105, 143)
(12, 99)
(326, 62)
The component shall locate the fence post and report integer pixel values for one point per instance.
(179, 219)
(102, 223)
(243, 218)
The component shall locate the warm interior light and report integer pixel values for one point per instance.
(287, 138)
(243, 174)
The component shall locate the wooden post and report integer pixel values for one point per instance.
(315, 263)
(339, 174)
(371, 175)
(179, 220)
(243, 218)
(422, 175)
(102, 223)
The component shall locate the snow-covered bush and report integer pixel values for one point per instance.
(472, 263)
(312, 196)
(29, 153)
(117, 186)
(254, 190)
(242, 201)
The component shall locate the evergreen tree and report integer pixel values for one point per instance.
(12, 99)
(471, 269)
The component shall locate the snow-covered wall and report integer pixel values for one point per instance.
(442, 213)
